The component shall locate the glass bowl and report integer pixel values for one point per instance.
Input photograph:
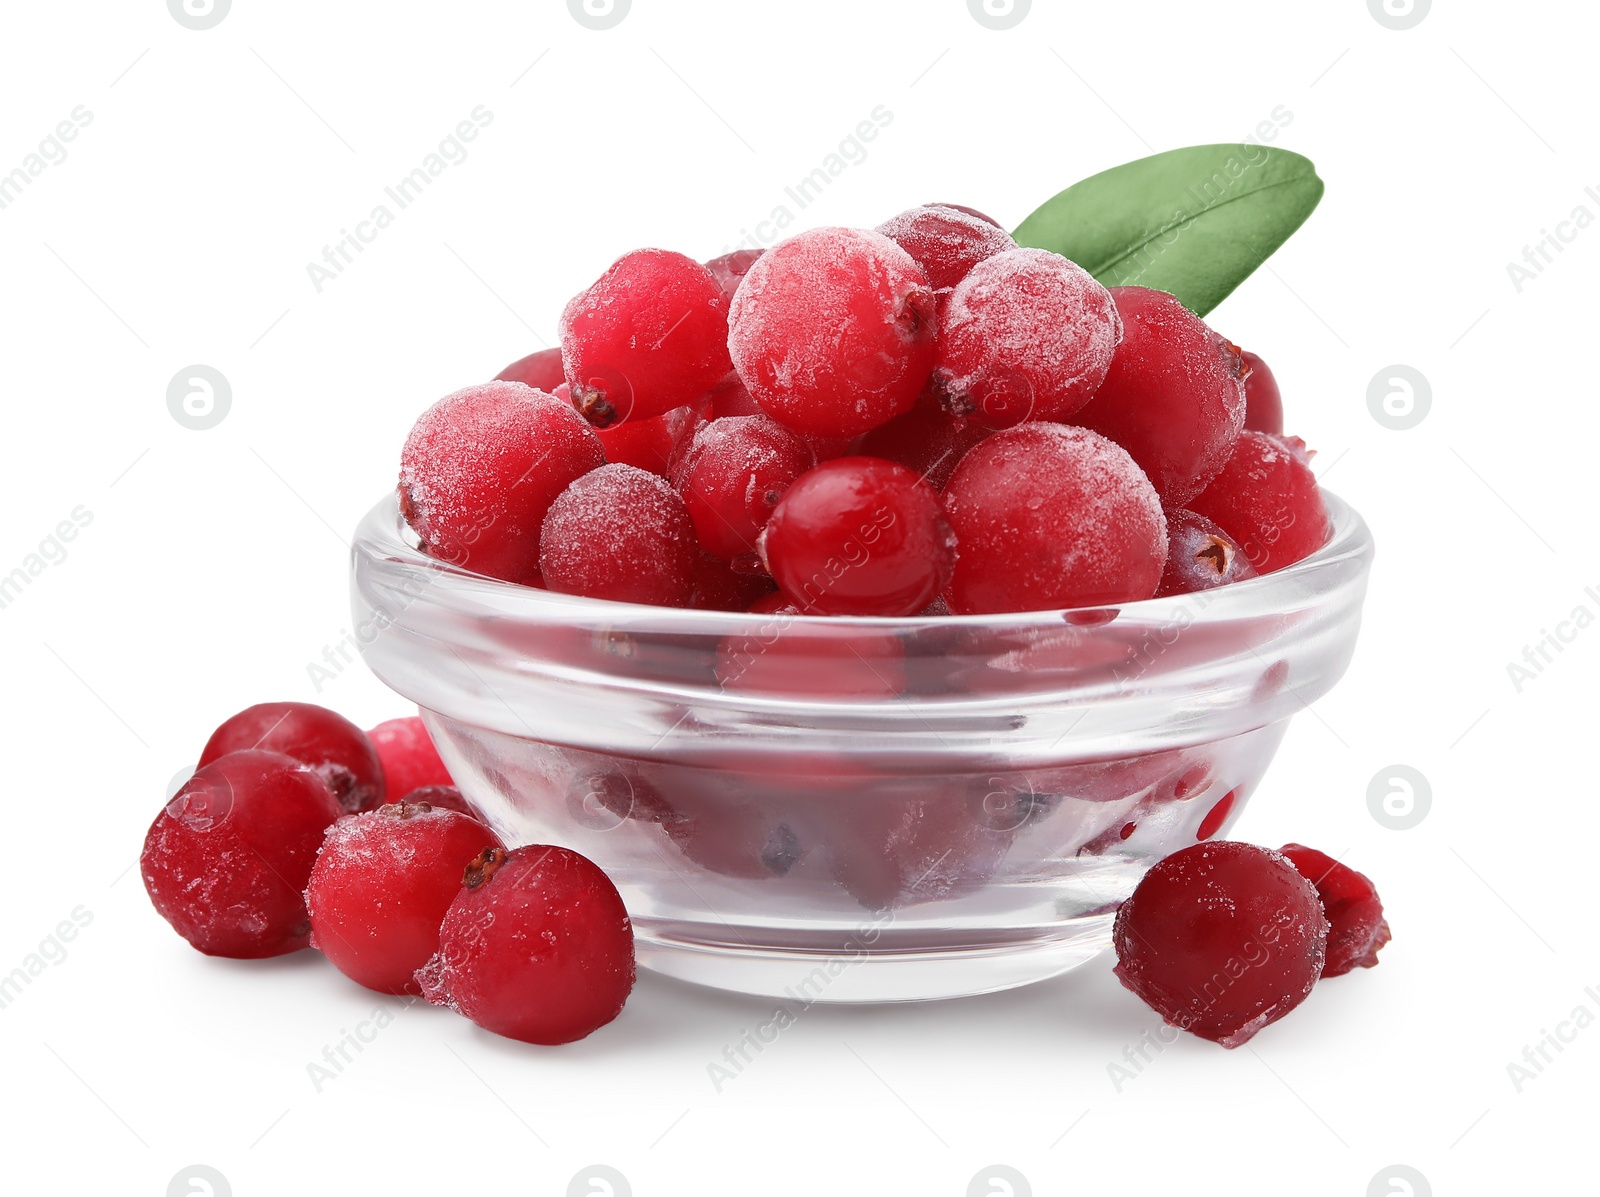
(859, 810)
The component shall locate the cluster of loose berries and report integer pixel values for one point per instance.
(1223, 938)
(285, 838)
(924, 418)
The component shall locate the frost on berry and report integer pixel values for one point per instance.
(1174, 396)
(537, 946)
(1049, 516)
(338, 750)
(832, 331)
(227, 859)
(1026, 335)
(732, 476)
(381, 885)
(622, 534)
(649, 335)
(1221, 939)
(1267, 499)
(946, 241)
(481, 468)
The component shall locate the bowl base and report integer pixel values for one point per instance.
(799, 976)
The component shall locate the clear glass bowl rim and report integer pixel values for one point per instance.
(384, 535)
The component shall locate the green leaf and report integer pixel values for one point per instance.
(1195, 222)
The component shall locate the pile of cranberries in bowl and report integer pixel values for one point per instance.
(921, 419)
(916, 421)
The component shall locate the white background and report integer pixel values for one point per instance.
(178, 229)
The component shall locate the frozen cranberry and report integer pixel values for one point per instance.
(788, 657)
(329, 743)
(1027, 335)
(1221, 939)
(718, 586)
(536, 947)
(409, 759)
(481, 468)
(542, 371)
(859, 536)
(652, 444)
(973, 212)
(893, 852)
(732, 477)
(226, 860)
(832, 331)
(1263, 405)
(732, 836)
(1217, 816)
(730, 398)
(1200, 556)
(1267, 498)
(1174, 397)
(441, 798)
(1355, 915)
(1049, 516)
(926, 439)
(729, 270)
(622, 534)
(381, 886)
(651, 334)
(945, 241)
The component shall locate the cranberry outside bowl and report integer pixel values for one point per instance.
(859, 810)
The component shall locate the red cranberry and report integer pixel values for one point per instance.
(619, 533)
(1221, 939)
(946, 242)
(894, 852)
(653, 444)
(227, 859)
(730, 398)
(729, 270)
(859, 536)
(785, 656)
(1217, 816)
(1200, 556)
(1268, 500)
(410, 761)
(1263, 405)
(441, 798)
(718, 586)
(832, 331)
(1174, 397)
(1350, 900)
(329, 743)
(973, 212)
(649, 335)
(481, 468)
(732, 477)
(1027, 335)
(536, 947)
(381, 886)
(1049, 516)
(926, 439)
(542, 371)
